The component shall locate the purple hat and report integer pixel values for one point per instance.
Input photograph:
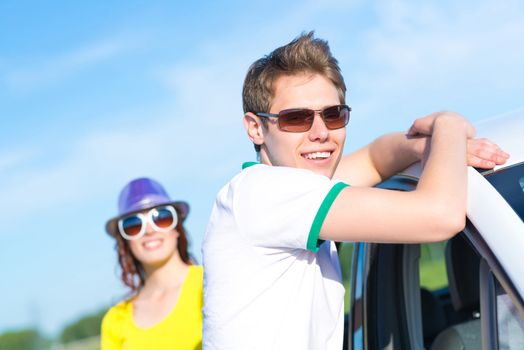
(142, 194)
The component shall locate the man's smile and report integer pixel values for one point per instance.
(317, 155)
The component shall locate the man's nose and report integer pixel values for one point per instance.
(319, 130)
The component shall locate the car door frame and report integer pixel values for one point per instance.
(363, 335)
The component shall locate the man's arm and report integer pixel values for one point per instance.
(392, 153)
(378, 161)
(433, 212)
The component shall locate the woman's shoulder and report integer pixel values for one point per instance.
(196, 269)
(195, 277)
(196, 272)
(114, 325)
(191, 301)
(118, 312)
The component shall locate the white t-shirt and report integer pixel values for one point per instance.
(269, 283)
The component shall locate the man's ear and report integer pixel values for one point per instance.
(254, 128)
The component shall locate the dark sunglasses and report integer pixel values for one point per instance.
(162, 219)
(301, 119)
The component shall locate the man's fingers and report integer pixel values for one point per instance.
(490, 145)
(483, 153)
(480, 163)
(411, 131)
(479, 146)
(419, 128)
(491, 155)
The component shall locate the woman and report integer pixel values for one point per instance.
(164, 310)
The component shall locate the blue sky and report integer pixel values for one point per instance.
(94, 94)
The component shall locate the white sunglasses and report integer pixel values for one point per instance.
(162, 219)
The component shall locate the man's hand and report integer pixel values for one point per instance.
(391, 153)
(482, 153)
(424, 126)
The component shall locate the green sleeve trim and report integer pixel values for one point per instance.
(313, 243)
(248, 164)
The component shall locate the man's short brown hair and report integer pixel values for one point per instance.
(305, 54)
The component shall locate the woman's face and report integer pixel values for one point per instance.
(155, 247)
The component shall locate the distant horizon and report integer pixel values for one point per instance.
(94, 95)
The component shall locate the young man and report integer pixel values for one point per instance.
(272, 277)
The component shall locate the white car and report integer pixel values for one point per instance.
(465, 293)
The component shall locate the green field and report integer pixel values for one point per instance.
(92, 343)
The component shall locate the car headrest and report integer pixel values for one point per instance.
(462, 265)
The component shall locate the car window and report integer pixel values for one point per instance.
(510, 324)
(345, 255)
(449, 294)
(433, 290)
(432, 271)
(509, 182)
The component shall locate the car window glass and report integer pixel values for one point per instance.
(510, 184)
(345, 255)
(433, 292)
(510, 324)
(432, 270)
(449, 278)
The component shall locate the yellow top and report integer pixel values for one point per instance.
(180, 330)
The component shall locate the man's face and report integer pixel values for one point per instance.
(318, 149)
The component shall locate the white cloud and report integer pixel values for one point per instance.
(49, 70)
(420, 57)
(10, 160)
(185, 142)
(418, 43)
(96, 162)
(198, 138)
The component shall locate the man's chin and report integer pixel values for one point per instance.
(325, 167)
(328, 172)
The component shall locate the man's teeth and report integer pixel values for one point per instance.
(316, 155)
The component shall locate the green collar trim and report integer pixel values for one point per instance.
(248, 164)
(313, 243)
